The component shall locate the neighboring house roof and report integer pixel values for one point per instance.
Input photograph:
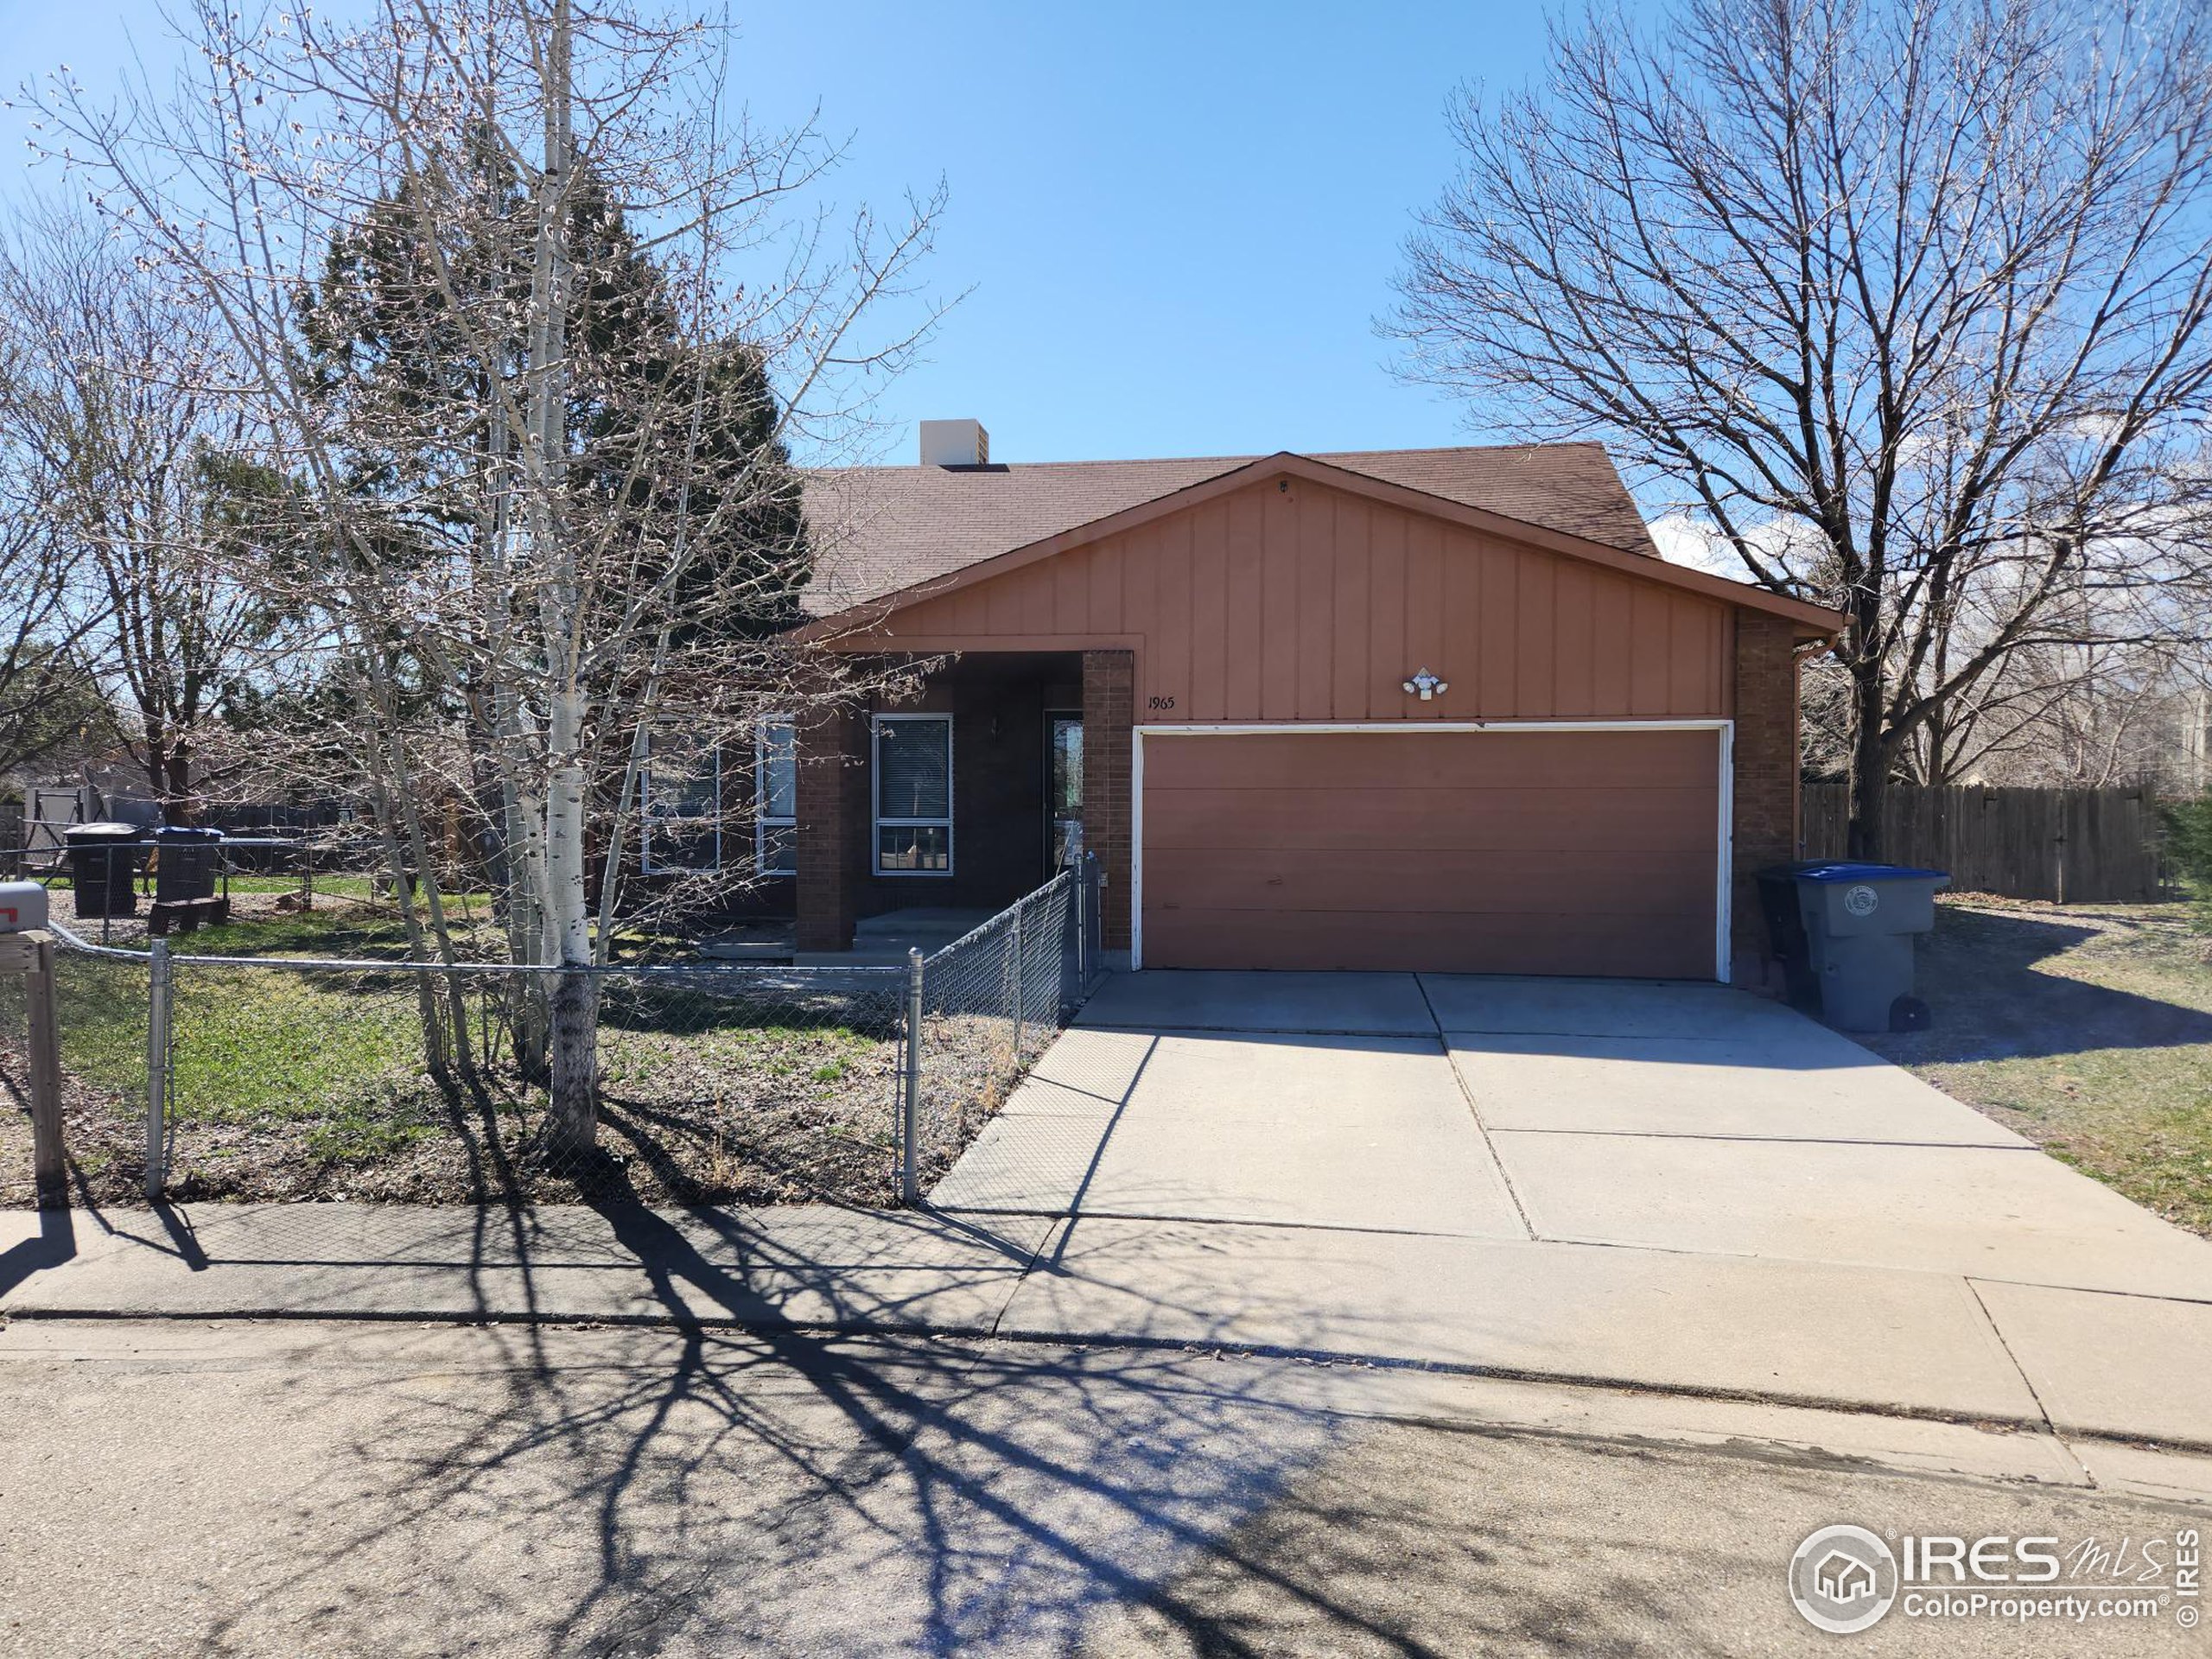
(891, 527)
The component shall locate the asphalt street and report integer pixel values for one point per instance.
(285, 1488)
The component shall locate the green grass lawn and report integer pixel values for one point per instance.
(348, 932)
(348, 920)
(2086, 1029)
(248, 1043)
(355, 887)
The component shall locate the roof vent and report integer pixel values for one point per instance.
(954, 443)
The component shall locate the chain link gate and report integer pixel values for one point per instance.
(981, 1009)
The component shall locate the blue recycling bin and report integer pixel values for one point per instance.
(1855, 924)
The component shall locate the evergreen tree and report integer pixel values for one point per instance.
(675, 436)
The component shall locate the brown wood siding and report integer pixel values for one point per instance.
(1484, 852)
(1314, 604)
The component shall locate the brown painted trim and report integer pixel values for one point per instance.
(1814, 621)
(952, 644)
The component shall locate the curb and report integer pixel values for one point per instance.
(1112, 1341)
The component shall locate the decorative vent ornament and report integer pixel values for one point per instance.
(1425, 685)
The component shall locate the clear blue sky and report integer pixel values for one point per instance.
(1177, 221)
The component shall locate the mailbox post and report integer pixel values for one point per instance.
(23, 907)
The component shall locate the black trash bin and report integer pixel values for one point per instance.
(1854, 926)
(103, 867)
(187, 864)
(1786, 931)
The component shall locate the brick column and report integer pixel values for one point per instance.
(1109, 709)
(1765, 827)
(832, 770)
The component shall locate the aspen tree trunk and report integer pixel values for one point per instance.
(515, 892)
(573, 1111)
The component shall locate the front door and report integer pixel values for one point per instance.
(1062, 791)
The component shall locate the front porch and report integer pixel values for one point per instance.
(878, 941)
(920, 818)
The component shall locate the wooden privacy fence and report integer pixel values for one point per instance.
(2063, 844)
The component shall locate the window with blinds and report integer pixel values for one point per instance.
(913, 794)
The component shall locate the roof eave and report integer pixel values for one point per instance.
(1810, 621)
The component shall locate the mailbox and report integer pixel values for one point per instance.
(22, 906)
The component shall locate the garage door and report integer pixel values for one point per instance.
(1536, 852)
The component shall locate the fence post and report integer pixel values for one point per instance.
(1094, 920)
(49, 1161)
(1020, 967)
(909, 1103)
(1081, 873)
(1069, 945)
(157, 1068)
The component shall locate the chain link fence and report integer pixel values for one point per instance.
(101, 1004)
(275, 1078)
(988, 1005)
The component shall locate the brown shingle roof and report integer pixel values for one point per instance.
(886, 528)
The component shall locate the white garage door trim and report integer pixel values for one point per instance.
(1724, 729)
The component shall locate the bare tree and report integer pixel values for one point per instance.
(2086, 716)
(1905, 303)
(49, 700)
(527, 536)
(113, 409)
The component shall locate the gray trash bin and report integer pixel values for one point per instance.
(1860, 920)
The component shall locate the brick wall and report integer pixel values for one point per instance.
(1109, 711)
(998, 794)
(830, 748)
(1765, 827)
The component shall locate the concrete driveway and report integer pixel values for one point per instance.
(1670, 1183)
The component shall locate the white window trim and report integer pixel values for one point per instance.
(645, 862)
(878, 823)
(1724, 730)
(762, 823)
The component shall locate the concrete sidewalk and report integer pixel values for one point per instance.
(820, 1267)
(1914, 1344)
(1666, 1187)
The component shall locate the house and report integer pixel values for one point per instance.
(1844, 1578)
(1438, 709)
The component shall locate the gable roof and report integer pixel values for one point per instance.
(904, 533)
(892, 527)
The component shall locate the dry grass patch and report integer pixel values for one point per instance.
(2086, 1029)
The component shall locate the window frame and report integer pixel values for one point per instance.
(646, 865)
(1053, 717)
(878, 823)
(763, 822)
